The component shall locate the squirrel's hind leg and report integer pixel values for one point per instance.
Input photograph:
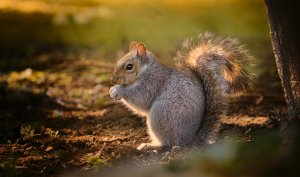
(155, 141)
(171, 125)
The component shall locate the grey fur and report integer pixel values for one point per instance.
(183, 104)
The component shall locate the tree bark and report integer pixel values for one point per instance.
(285, 35)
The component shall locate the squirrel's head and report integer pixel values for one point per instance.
(129, 67)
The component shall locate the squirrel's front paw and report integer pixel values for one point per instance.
(115, 92)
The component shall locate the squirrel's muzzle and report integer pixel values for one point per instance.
(113, 80)
(118, 80)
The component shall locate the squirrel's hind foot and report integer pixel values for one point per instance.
(152, 147)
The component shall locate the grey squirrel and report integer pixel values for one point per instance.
(182, 104)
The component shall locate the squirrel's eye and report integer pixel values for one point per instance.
(129, 66)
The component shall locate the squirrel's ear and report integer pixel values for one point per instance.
(141, 49)
(133, 46)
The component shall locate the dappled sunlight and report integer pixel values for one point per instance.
(243, 120)
(83, 88)
(53, 7)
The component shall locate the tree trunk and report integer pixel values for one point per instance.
(285, 35)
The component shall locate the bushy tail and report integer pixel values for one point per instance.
(219, 64)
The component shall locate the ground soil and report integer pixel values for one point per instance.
(57, 116)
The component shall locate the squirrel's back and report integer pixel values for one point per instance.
(219, 63)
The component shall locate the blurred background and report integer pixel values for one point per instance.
(98, 29)
(56, 58)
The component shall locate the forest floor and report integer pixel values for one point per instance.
(56, 116)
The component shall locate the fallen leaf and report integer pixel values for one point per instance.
(49, 148)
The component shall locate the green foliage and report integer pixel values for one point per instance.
(27, 130)
(97, 162)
